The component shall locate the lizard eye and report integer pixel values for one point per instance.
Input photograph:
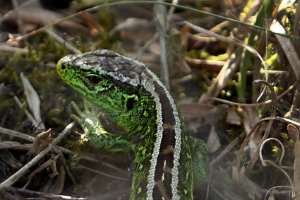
(94, 79)
(130, 103)
(63, 66)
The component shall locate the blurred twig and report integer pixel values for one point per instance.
(16, 176)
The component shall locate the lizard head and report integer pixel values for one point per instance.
(113, 83)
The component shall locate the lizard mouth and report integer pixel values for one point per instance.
(59, 67)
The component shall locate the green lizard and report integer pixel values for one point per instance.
(168, 164)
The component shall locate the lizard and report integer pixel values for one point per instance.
(168, 163)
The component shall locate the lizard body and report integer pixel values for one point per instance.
(167, 162)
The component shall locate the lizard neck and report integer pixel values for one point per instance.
(162, 180)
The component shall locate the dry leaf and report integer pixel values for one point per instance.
(33, 101)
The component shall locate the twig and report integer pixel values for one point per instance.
(262, 146)
(282, 119)
(43, 194)
(270, 122)
(97, 7)
(7, 48)
(16, 134)
(62, 41)
(230, 41)
(43, 166)
(26, 137)
(102, 173)
(253, 104)
(273, 188)
(16, 176)
(161, 27)
(271, 163)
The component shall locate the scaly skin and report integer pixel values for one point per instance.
(121, 88)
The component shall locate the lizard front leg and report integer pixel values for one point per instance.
(95, 135)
